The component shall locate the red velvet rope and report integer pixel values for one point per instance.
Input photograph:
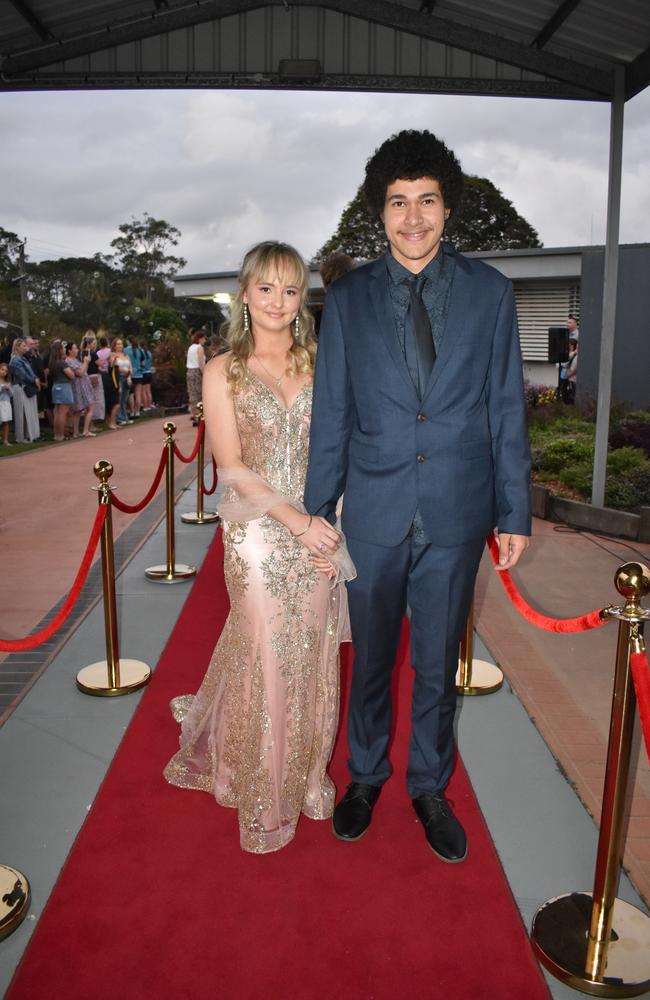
(133, 509)
(31, 641)
(582, 624)
(641, 677)
(209, 492)
(190, 458)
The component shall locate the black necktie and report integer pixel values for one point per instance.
(418, 341)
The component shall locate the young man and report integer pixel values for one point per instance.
(419, 421)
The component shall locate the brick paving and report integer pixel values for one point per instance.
(47, 506)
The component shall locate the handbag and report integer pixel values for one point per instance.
(30, 389)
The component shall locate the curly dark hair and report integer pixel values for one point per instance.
(409, 155)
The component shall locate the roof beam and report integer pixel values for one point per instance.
(559, 17)
(28, 15)
(392, 15)
(637, 76)
(273, 81)
(483, 43)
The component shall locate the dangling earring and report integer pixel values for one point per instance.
(296, 331)
(247, 322)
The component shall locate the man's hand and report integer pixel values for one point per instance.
(511, 549)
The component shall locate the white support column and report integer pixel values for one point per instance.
(610, 282)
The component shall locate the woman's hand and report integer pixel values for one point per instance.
(317, 535)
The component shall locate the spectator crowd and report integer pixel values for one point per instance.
(72, 388)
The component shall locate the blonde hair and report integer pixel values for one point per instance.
(89, 338)
(261, 263)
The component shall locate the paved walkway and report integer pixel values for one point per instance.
(47, 507)
(564, 681)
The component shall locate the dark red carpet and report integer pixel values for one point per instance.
(157, 900)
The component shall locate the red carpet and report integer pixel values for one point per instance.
(157, 900)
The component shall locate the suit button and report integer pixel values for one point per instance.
(420, 458)
(421, 418)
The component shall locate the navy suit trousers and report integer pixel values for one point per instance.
(437, 584)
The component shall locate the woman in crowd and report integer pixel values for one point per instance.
(83, 396)
(25, 391)
(195, 365)
(259, 733)
(135, 356)
(5, 403)
(147, 376)
(110, 383)
(120, 363)
(89, 346)
(61, 377)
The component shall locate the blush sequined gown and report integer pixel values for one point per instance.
(259, 733)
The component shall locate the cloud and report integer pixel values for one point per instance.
(228, 168)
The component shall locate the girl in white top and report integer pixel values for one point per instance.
(195, 365)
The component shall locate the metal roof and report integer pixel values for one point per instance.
(540, 48)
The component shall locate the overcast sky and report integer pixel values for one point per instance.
(229, 168)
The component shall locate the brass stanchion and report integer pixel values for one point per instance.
(201, 516)
(111, 676)
(170, 573)
(475, 676)
(14, 900)
(593, 941)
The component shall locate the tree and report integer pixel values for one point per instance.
(142, 254)
(10, 309)
(10, 245)
(485, 220)
(79, 291)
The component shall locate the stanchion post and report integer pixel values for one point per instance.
(595, 942)
(170, 573)
(475, 677)
(111, 676)
(15, 897)
(201, 516)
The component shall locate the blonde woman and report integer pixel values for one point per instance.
(120, 363)
(259, 733)
(89, 348)
(25, 389)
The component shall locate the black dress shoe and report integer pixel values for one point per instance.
(445, 836)
(353, 813)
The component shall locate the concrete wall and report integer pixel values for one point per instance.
(631, 375)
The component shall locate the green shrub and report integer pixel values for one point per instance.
(566, 452)
(622, 461)
(577, 477)
(629, 493)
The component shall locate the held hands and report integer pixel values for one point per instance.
(318, 536)
(511, 549)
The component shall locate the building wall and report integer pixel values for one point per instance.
(631, 371)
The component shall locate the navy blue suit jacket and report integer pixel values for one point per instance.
(460, 455)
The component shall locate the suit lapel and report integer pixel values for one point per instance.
(383, 309)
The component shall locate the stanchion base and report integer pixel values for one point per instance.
(484, 678)
(559, 938)
(180, 572)
(207, 517)
(134, 674)
(14, 900)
